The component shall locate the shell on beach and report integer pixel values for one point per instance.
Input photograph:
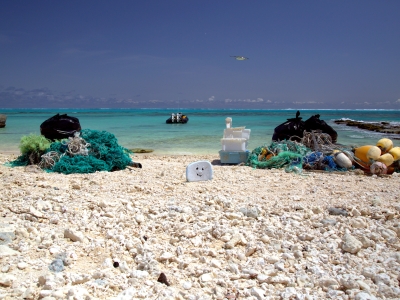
(342, 160)
(385, 145)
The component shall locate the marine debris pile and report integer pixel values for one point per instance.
(311, 145)
(295, 156)
(316, 152)
(294, 128)
(88, 151)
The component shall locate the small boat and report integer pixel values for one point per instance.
(178, 118)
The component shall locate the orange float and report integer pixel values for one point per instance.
(365, 155)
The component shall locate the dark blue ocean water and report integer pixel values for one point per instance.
(146, 128)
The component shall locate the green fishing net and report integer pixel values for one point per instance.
(283, 154)
(92, 151)
(32, 147)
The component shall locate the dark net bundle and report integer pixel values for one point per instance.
(104, 154)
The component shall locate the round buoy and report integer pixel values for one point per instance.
(361, 153)
(378, 168)
(374, 153)
(385, 145)
(342, 160)
(387, 159)
(395, 152)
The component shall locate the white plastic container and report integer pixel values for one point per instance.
(234, 157)
(237, 132)
(234, 144)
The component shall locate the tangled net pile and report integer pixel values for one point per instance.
(313, 152)
(318, 141)
(288, 154)
(87, 152)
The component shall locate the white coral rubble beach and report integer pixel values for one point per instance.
(247, 233)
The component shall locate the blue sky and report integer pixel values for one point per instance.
(302, 54)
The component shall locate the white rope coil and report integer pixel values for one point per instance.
(77, 146)
(49, 160)
(318, 141)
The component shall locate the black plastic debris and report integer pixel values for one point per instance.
(163, 279)
(60, 127)
(292, 128)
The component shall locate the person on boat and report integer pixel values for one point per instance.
(173, 118)
(178, 117)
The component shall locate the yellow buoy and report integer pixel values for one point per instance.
(385, 145)
(386, 158)
(367, 153)
(395, 152)
(361, 153)
(374, 153)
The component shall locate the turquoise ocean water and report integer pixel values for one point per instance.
(146, 128)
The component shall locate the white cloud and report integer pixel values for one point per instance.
(248, 100)
(398, 101)
(212, 98)
(306, 102)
